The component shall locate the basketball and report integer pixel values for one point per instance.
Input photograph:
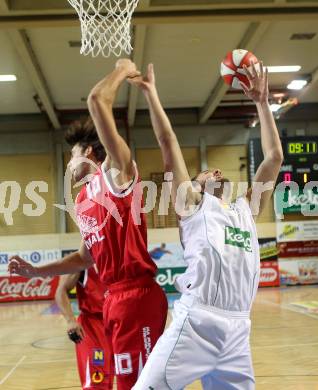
(232, 69)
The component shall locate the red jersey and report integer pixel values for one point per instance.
(90, 292)
(113, 229)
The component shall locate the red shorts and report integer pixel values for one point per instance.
(135, 315)
(94, 359)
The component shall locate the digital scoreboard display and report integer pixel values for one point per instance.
(300, 159)
(302, 148)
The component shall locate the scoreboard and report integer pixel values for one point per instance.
(300, 159)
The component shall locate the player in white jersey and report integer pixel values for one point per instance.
(209, 335)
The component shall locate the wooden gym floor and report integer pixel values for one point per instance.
(35, 354)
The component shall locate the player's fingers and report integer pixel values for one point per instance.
(137, 78)
(133, 75)
(137, 81)
(132, 81)
(261, 69)
(14, 263)
(254, 70)
(248, 73)
(151, 71)
(15, 269)
(11, 268)
(244, 87)
(266, 77)
(17, 259)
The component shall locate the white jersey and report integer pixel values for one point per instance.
(222, 253)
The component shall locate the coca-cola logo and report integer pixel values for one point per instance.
(31, 288)
(268, 275)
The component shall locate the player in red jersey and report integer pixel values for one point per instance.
(94, 361)
(115, 238)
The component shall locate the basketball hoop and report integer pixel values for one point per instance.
(105, 25)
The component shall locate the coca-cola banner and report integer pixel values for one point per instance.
(298, 249)
(17, 288)
(35, 257)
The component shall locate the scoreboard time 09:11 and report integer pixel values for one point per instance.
(297, 148)
(300, 159)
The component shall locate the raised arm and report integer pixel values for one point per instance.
(272, 149)
(73, 263)
(100, 104)
(169, 145)
(67, 283)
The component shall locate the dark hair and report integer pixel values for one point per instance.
(83, 133)
(194, 178)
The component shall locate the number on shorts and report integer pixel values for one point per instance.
(123, 364)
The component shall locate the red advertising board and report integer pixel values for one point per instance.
(298, 249)
(17, 288)
(269, 274)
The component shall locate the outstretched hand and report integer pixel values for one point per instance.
(128, 67)
(258, 80)
(145, 83)
(21, 267)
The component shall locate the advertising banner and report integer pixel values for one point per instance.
(291, 201)
(167, 276)
(298, 271)
(268, 248)
(17, 288)
(269, 276)
(297, 231)
(167, 255)
(35, 257)
(298, 249)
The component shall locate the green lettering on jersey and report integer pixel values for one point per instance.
(237, 237)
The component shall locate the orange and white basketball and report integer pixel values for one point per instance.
(232, 69)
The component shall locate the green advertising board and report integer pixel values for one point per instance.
(289, 201)
(167, 276)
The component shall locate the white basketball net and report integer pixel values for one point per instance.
(105, 25)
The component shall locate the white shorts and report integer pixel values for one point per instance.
(201, 342)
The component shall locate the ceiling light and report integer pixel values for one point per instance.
(279, 95)
(297, 84)
(284, 69)
(7, 77)
(275, 107)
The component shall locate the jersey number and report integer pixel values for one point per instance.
(93, 188)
